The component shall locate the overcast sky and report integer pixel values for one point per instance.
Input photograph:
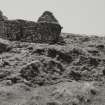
(76, 16)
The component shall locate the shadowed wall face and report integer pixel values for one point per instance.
(42, 32)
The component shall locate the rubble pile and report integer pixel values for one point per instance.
(80, 64)
(43, 71)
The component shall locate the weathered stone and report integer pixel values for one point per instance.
(45, 30)
(47, 16)
(2, 17)
(2, 29)
(103, 72)
(42, 71)
(4, 46)
(3, 74)
(12, 30)
(75, 75)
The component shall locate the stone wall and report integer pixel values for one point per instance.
(15, 30)
(11, 30)
(42, 32)
(29, 31)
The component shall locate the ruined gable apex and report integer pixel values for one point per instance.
(48, 16)
(2, 17)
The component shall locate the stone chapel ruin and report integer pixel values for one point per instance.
(46, 29)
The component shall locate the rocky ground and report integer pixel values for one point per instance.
(70, 72)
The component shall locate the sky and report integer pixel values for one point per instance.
(76, 16)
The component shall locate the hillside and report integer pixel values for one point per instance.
(70, 72)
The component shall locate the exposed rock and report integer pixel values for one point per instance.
(90, 61)
(42, 72)
(77, 52)
(14, 78)
(75, 75)
(39, 51)
(103, 72)
(4, 63)
(94, 61)
(4, 45)
(100, 46)
(3, 74)
(94, 52)
(54, 53)
(53, 103)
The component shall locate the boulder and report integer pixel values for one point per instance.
(4, 45)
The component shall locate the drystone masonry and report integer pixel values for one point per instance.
(11, 30)
(42, 32)
(46, 29)
(2, 19)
